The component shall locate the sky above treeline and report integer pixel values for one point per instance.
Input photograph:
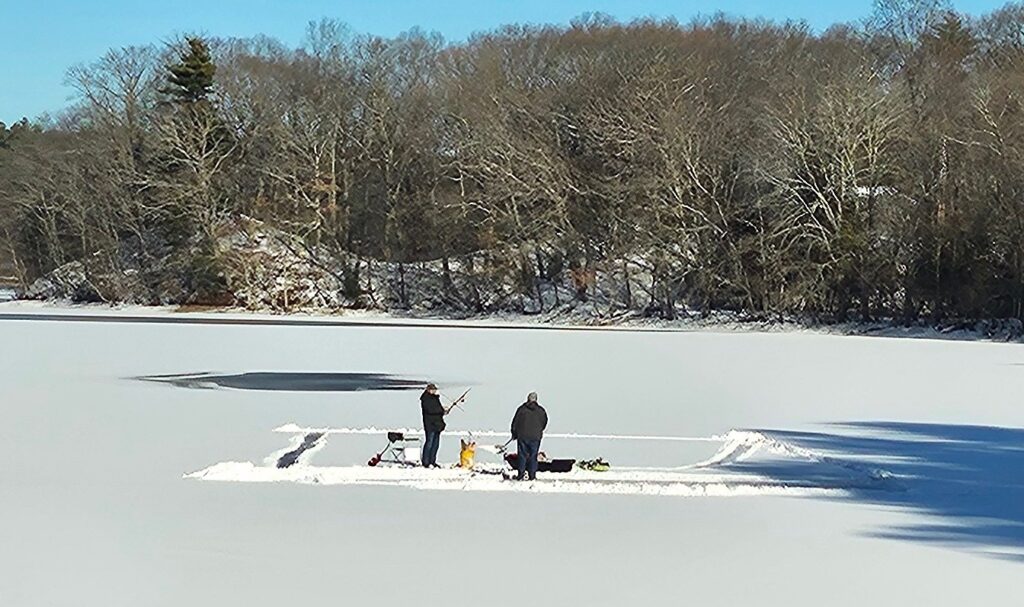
(41, 40)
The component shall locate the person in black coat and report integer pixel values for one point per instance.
(528, 426)
(433, 425)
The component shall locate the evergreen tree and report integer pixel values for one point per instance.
(950, 42)
(191, 79)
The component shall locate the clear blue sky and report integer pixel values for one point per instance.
(40, 39)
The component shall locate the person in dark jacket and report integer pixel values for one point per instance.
(433, 425)
(528, 426)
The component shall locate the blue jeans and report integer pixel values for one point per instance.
(431, 442)
(526, 457)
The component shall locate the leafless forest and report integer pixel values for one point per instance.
(874, 170)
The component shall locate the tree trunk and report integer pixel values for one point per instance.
(403, 295)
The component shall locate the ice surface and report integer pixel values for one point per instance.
(95, 509)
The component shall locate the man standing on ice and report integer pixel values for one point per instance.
(528, 426)
(433, 425)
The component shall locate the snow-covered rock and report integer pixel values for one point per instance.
(68, 282)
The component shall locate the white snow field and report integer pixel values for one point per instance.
(788, 469)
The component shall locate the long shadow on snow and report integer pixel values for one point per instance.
(969, 478)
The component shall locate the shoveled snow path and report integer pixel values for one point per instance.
(293, 428)
(711, 478)
(577, 482)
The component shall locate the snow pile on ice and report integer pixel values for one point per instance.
(634, 482)
(292, 428)
(743, 445)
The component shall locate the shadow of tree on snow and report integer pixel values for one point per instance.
(968, 479)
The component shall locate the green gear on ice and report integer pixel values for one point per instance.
(594, 465)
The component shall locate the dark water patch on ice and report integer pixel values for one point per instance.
(290, 381)
(308, 442)
(968, 480)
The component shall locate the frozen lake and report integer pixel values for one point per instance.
(98, 437)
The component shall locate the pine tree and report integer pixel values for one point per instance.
(191, 79)
(950, 41)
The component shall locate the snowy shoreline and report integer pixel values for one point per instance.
(565, 321)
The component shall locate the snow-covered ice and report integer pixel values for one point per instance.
(781, 469)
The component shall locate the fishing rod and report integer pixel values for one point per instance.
(456, 402)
